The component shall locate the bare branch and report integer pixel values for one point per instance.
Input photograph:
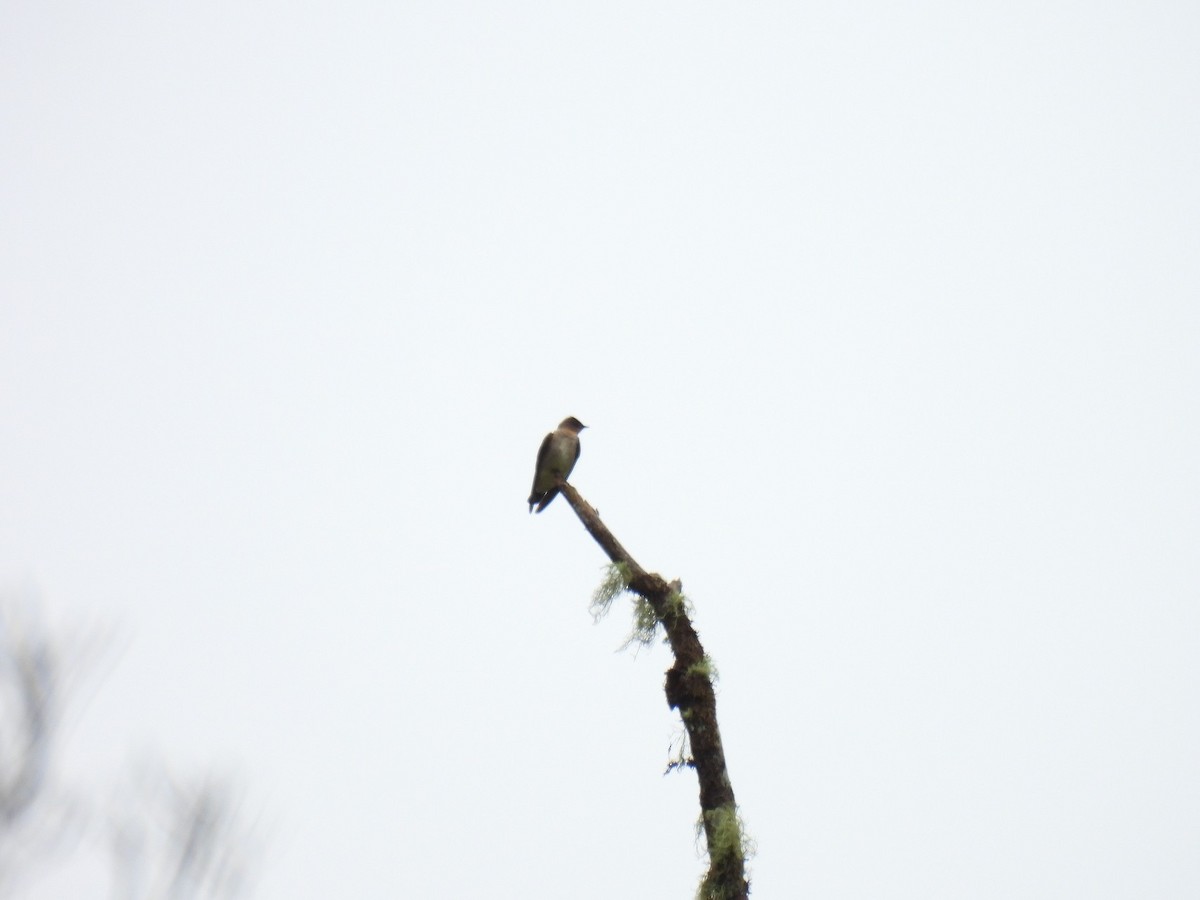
(689, 689)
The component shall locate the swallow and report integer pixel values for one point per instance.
(555, 460)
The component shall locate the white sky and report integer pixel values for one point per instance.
(886, 322)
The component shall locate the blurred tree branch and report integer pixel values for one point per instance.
(177, 840)
(168, 841)
(33, 820)
(28, 681)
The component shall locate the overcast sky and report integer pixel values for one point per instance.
(885, 319)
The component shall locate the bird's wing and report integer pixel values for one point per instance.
(541, 460)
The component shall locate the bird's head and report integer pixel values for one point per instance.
(572, 424)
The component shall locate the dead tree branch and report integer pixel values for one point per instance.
(689, 689)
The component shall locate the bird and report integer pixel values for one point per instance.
(555, 460)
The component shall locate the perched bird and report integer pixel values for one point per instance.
(555, 460)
